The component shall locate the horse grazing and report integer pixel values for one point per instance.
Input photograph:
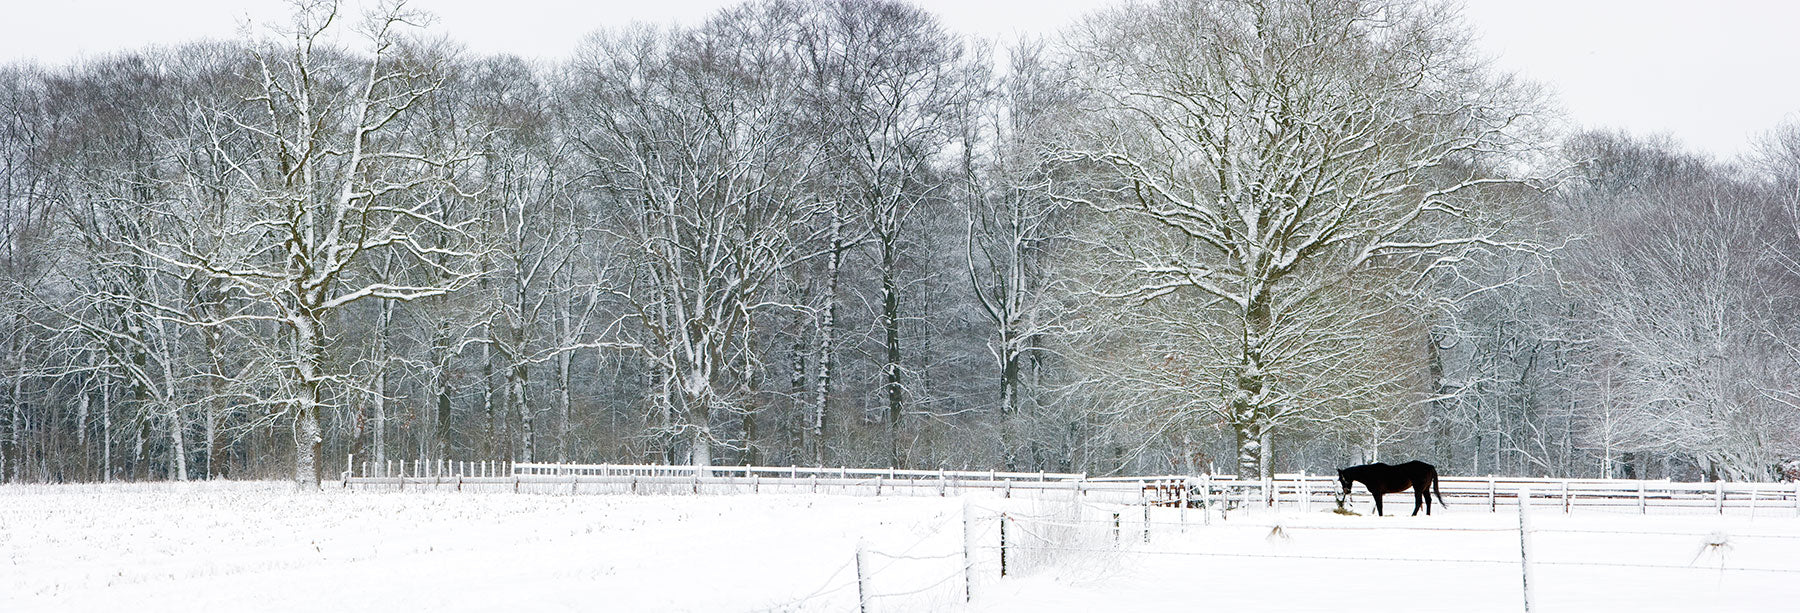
(1382, 479)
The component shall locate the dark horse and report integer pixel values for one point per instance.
(1381, 479)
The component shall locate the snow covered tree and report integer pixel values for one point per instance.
(1682, 281)
(1284, 149)
(887, 84)
(325, 186)
(701, 156)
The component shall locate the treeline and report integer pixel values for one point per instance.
(1237, 235)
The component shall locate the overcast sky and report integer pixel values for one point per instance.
(1713, 74)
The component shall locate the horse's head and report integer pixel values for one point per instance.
(1343, 494)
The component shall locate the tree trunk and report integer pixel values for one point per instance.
(378, 434)
(527, 416)
(1249, 416)
(566, 333)
(489, 444)
(308, 438)
(827, 339)
(81, 433)
(106, 442)
(890, 321)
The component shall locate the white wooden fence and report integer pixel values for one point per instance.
(1284, 490)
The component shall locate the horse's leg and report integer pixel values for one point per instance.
(1416, 502)
(1377, 496)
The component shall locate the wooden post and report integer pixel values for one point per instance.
(1752, 501)
(1643, 505)
(1719, 487)
(1206, 500)
(1525, 546)
(862, 579)
(968, 555)
(1003, 544)
(1491, 496)
(1183, 501)
(1565, 488)
(1118, 541)
(1146, 523)
(1305, 493)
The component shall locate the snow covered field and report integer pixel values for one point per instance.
(263, 547)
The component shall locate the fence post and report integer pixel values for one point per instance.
(1525, 545)
(1643, 505)
(1305, 493)
(1003, 544)
(1492, 504)
(1118, 541)
(1753, 501)
(862, 580)
(1565, 488)
(1183, 501)
(1719, 486)
(1147, 522)
(968, 555)
(1206, 500)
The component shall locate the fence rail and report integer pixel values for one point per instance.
(1289, 490)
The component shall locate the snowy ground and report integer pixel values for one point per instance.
(263, 547)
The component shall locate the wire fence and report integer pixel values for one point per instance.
(1032, 542)
(1029, 522)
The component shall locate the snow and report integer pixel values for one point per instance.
(234, 546)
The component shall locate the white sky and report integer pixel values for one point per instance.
(1713, 74)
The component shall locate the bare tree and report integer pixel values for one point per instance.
(889, 82)
(325, 187)
(698, 148)
(1286, 147)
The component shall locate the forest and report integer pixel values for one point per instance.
(1177, 236)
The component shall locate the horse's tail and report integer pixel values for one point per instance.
(1437, 489)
